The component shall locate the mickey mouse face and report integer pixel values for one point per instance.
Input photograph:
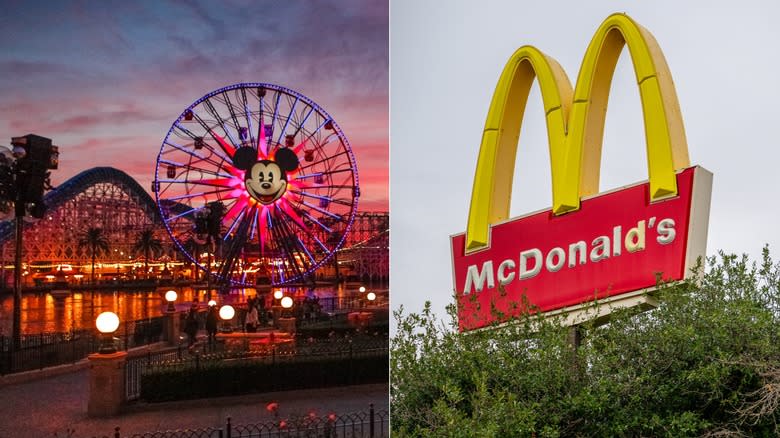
(265, 180)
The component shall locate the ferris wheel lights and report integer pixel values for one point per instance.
(220, 179)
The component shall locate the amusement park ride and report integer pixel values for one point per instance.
(261, 176)
(218, 214)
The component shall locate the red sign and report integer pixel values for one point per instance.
(617, 242)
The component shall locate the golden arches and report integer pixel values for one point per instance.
(575, 124)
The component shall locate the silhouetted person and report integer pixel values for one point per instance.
(251, 319)
(191, 326)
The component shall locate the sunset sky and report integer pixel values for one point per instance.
(105, 80)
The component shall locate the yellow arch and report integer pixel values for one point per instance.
(575, 124)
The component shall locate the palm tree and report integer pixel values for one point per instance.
(147, 244)
(97, 243)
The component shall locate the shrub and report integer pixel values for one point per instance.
(245, 376)
(705, 362)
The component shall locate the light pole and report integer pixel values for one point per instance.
(107, 323)
(23, 182)
(170, 297)
(226, 313)
(171, 318)
(287, 304)
(106, 371)
(287, 321)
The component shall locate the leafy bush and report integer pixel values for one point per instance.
(234, 377)
(705, 362)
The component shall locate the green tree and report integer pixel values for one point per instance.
(96, 242)
(706, 362)
(147, 244)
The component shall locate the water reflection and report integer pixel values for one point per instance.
(41, 312)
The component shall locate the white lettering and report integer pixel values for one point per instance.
(580, 247)
(666, 232)
(600, 249)
(531, 261)
(635, 238)
(616, 240)
(524, 272)
(477, 279)
(551, 263)
(503, 278)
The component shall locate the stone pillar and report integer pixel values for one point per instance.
(287, 325)
(106, 383)
(172, 329)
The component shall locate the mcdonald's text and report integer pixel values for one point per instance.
(531, 261)
(616, 243)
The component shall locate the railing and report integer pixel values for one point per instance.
(45, 349)
(302, 352)
(134, 367)
(38, 351)
(359, 424)
(335, 304)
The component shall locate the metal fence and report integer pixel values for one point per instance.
(359, 424)
(302, 351)
(135, 366)
(41, 350)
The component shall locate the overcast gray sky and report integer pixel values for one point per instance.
(445, 59)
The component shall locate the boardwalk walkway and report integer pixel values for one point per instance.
(45, 407)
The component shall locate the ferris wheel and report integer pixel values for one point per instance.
(256, 183)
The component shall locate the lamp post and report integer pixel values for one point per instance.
(287, 304)
(371, 297)
(22, 182)
(276, 307)
(171, 318)
(362, 289)
(170, 297)
(226, 314)
(287, 322)
(106, 370)
(107, 323)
